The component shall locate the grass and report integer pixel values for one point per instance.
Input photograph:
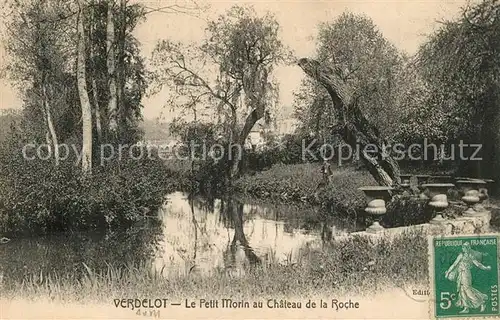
(354, 266)
(281, 182)
(298, 182)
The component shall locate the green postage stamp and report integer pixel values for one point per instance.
(464, 276)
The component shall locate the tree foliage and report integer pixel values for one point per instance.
(458, 68)
(229, 74)
(41, 43)
(57, 54)
(365, 61)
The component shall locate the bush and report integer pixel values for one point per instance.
(285, 182)
(199, 177)
(342, 196)
(406, 211)
(37, 197)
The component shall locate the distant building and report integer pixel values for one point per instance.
(257, 137)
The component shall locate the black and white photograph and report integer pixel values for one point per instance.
(258, 159)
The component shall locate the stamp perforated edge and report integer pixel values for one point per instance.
(430, 252)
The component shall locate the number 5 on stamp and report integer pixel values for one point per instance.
(464, 276)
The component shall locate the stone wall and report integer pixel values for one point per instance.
(463, 225)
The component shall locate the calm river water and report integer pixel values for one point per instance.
(193, 235)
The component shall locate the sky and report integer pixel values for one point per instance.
(405, 23)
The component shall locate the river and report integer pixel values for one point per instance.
(192, 235)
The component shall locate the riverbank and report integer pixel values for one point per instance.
(290, 184)
(341, 198)
(347, 266)
(300, 182)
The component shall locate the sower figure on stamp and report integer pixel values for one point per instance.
(460, 271)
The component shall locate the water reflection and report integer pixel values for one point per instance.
(65, 254)
(226, 235)
(192, 235)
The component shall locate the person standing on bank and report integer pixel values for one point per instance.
(326, 171)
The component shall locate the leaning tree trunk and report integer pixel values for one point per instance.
(256, 90)
(84, 98)
(354, 127)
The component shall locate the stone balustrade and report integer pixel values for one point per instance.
(473, 193)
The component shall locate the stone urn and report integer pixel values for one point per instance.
(406, 190)
(406, 184)
(438, 199)
(489, 183)
(421, 180)
(405, 178)
(472, 196)
(376, 197)
(460, 190)
(486, 191)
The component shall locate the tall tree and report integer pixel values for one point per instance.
(111, 57)
(238, 55)
(36, 43)
(115, 55)
(83, 94)
(358, 68)
(367, 62)
(53, 70)
(94, 74)
(461, 60)
(120, 70)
